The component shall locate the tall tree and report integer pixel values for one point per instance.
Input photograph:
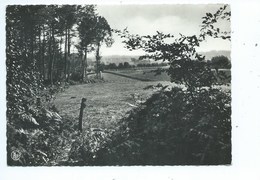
(87, 21)
(52, 22)
(67, 18)
(103, 34)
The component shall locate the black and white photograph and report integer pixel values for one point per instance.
(95, 85)
(121, 85)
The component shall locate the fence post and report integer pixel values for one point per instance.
(82, 106)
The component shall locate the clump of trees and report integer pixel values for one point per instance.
(127, 65)
(38, 55)
(220, 62)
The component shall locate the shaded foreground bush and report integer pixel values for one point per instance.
(174, 128)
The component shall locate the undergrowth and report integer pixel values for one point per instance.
(174, 128)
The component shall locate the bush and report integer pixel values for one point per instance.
(174, 128)
(220, 62)
(36, 133)
(76, 76)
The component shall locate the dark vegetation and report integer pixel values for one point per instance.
(38, 52)
(220, 62)
(126, 65)
(176, 126)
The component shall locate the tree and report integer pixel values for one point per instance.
(67, 18)
(103, 34)
(134, 60)
(32, 49)
(23, 78)
(187, 66)
(111, 66)
(219, 62)
(190, 124)
(126, 65)
(120, 66)
(87, 21)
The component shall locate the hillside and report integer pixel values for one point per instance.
(120, 59)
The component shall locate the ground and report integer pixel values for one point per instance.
(107, 101)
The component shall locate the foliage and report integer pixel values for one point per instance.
(189, 125)
(210, 21)
(171, 128)
(180, 126)
(126, 65)
(34, 128)
(103, 34)
(36, 68)
(186, 65)
(86, 26)
(85, 148)
(76, 76)
(220, 62)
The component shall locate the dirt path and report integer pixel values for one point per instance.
(107, 102)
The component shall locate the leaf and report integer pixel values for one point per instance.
(33, 120)
(209, 14)
(56, 116)
(48, 114)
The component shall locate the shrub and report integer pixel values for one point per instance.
(174, 128)
(76, 76)
(220, 62)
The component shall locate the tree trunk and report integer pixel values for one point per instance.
(43, 55)
(68, 65)
(32, 45)
(39, 62)
(98, 62)
(84, 64)
(60, 58)
(65, 53)
(53, 54)
(50, 59)
(69, 42)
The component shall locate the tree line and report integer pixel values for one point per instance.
(125, 65)
(39, 42)
(40, 38)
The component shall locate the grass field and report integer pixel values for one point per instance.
(107, 102)
(145, 73)
(224, 75)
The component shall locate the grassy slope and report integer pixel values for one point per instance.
(106, 102)
(145, 73)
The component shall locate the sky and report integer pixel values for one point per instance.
(170, 18)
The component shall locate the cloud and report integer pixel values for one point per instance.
(147, 19)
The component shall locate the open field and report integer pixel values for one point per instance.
(144, 73)
(147, 74)
(106, 102)
(110, 100)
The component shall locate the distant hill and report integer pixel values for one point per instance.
(126, 58)
(116, 59)
(210, 54)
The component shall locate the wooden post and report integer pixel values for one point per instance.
(82, 107)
